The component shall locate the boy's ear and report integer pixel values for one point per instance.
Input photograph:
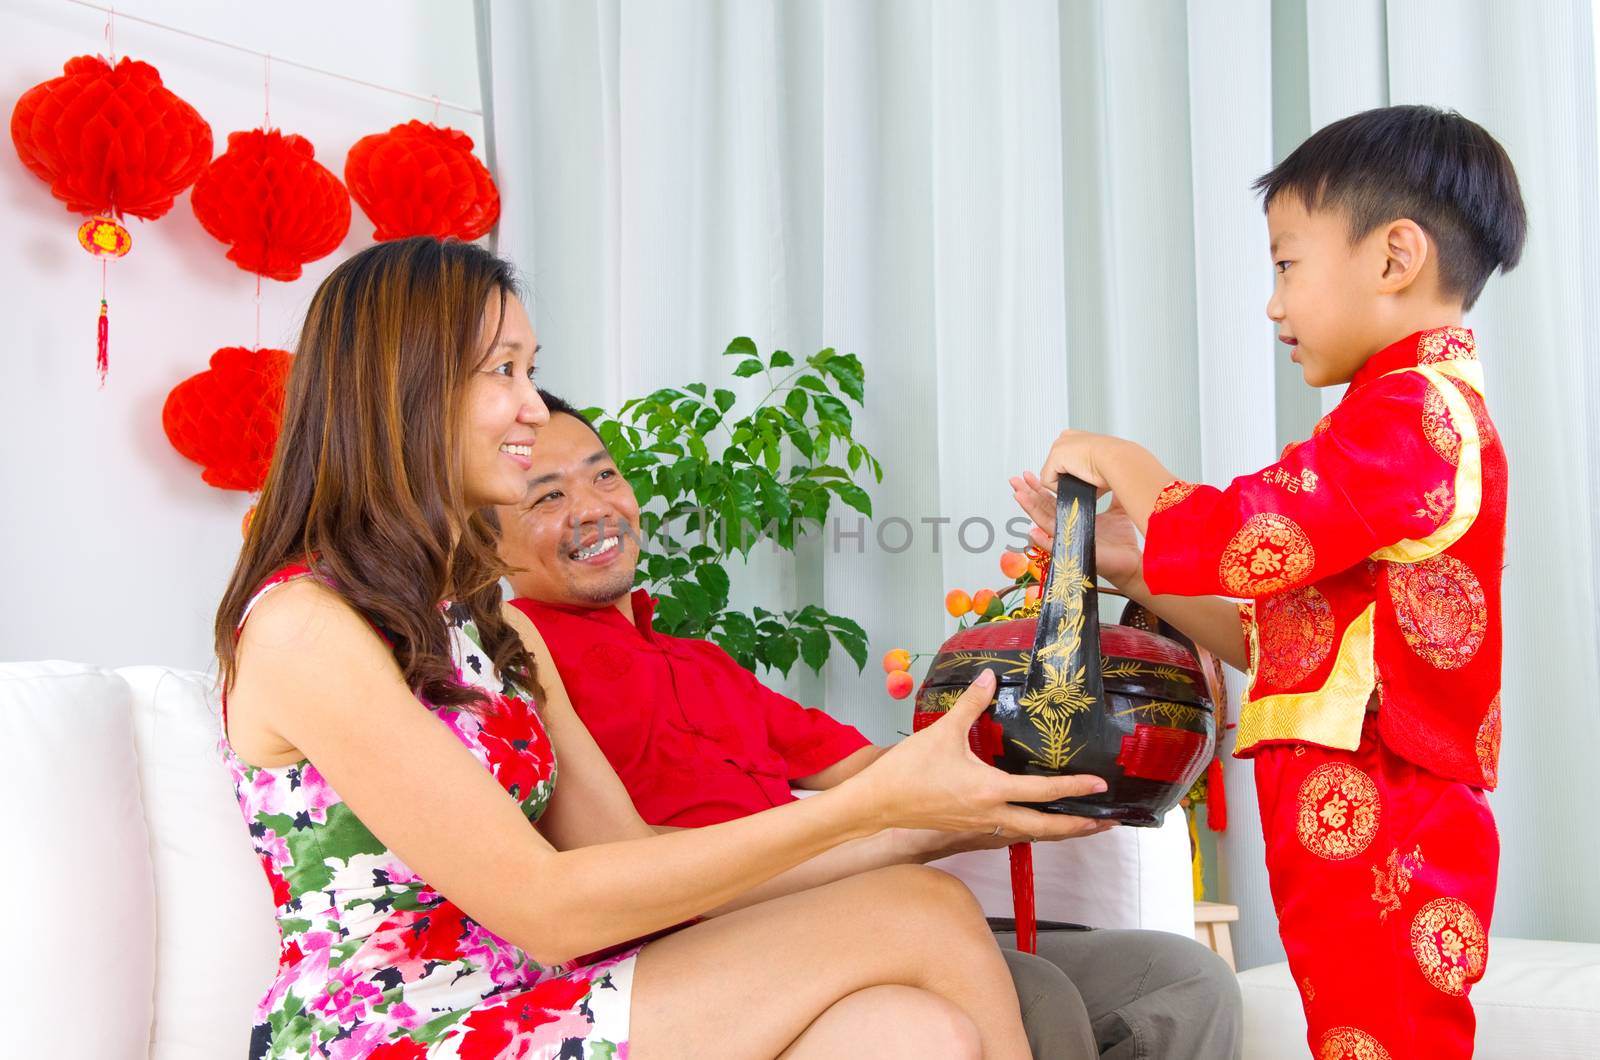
(1406, 249)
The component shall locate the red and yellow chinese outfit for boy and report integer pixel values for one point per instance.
(1370, 558)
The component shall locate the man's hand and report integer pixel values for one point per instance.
(1118, 558)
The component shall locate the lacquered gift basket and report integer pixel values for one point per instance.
(1122, 702)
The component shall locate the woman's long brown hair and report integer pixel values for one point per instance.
(365, 482)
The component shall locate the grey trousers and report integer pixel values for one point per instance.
(1125, 995)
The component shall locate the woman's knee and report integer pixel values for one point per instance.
(928, 889)
(904, 1022)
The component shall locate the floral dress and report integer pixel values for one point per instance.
(377, 964)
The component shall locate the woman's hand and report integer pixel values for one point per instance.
(932, 780)
(1118, 558)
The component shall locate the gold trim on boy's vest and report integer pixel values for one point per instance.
(1469, 468)
(1331, 715)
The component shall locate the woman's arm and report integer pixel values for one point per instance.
(329, 686)
(591, 805)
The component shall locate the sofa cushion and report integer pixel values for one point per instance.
(216, 940)
(1536, 998)
(80, 937)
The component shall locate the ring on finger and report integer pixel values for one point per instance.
(996, 833)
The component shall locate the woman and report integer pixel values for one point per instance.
(382, 704)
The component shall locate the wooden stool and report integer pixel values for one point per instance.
(1211, 920)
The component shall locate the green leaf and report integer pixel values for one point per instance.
(814, 647)
(853, 495)
(796, 403)
(775, 508)
(695, 599)
(741, 345)
(725, 400)
(832, 412)
(770, 450)
(670, 615)
(736, 634)
(707, 420)
(781, 652)
(696, 388)
(854, 642)
(714, 580)
(814, 382)
(802, 441)
(780, 359)
(851, 378)
(853, 458)
(748, 368)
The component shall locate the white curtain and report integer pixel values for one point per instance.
(1031, 214)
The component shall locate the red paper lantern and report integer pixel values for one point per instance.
(226, 419)
(268, 197)
(421, 180)
(110, 140)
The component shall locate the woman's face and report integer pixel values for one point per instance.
(503, 409)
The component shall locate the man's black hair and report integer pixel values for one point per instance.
(556, 404)
(1433, 166)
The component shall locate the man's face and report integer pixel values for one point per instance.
(576, 533)
(1325, 296)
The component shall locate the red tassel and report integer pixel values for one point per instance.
(1022, 897)
(1216, 797)
(104, 332)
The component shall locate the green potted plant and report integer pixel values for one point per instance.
(714, 479)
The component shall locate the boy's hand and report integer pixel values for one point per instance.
(1118, 558)
(1074, 454)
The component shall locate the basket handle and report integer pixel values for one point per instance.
(1066, 643)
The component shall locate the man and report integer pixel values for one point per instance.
(697, 740)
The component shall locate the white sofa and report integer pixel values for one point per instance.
(1537, 999)
(141, 923)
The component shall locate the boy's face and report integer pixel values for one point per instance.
(1325, 297)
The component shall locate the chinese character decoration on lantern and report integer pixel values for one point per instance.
(422, 180)
(111, 142)
(227, 418)
(272, 202)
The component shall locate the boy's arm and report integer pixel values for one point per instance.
(1385, 477)
(1210, 621)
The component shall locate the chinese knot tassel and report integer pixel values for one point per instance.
(1216, 797)
(103, 333)
(1022, 897)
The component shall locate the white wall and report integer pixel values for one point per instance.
(114, 550)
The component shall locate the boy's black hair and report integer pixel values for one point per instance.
(1433, 166)
(556, 404)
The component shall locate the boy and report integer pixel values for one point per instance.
(1369, 559)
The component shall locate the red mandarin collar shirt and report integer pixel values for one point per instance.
(1370, 557)
(694, 736)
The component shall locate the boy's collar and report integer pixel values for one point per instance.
(1422, 347)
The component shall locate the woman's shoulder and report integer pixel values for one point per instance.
(302, 616)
